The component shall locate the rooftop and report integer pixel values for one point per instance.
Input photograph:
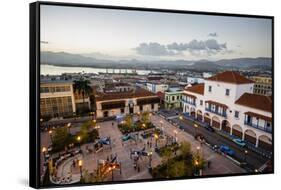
(124, 95)
(230, 77)
(256, 101)
(198, 89)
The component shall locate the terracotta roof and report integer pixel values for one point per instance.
(191, 96)
(124, 95)
(198, 89)
(216, 103)
(230, 77)
(256, 101)
(258, 116)
(161, 95)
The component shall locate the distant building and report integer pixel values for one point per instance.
(56, 98)
(122, 103)
(156, 87)
(263, 85)
(194, 80)
(226, 102)
(173, 97)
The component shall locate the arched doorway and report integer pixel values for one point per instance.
(192, 112)
(265, 143)
(216, 122)
(237, 131)
(199, 115)
(250, 136)
(225, 126)
(207, 118)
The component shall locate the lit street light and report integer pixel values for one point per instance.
(195, 129)
(68, 127)
(80, 164)
(245, 155)
(175, 132)
(79, 139)
(51, 136)
(44, 152)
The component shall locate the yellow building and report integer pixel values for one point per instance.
(263, 85)
(56, 99)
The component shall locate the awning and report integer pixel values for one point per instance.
(266, 118)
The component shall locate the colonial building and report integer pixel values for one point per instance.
(173, 97)
(122, 103)
(263, 85)
(56, 98)
(227, 103)
(157, 87)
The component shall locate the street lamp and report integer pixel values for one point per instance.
(196, 167)
(195, 128)
(68, 127)
(161, 123)
(150, 114)
(180, 117)
(245, 155)
(80, 164)
(44, 149)
(156, 140)
(143, 125)
(175, 132)
(51, 136)
(79, 139)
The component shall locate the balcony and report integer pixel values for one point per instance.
(269, 130)
(188, 102)
(223, 114)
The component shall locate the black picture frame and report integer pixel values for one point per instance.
(34, 84)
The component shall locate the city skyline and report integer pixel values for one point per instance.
(143, 35)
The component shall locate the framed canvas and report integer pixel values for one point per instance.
(125, 94)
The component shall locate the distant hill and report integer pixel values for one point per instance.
(68, 59)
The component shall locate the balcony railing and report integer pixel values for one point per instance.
(223, 114)
(190, 103)
(269, 130)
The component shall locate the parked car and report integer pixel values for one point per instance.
(226, 150)
(209, 128)
(239, 142)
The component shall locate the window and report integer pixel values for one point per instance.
(141, 108)
(152, 106)
(201, 102)
(227, 92)
(122, 110)
(173, 98)
(210, 88)
(236, 114)
(178, 97)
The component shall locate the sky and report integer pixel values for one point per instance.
(123, 34)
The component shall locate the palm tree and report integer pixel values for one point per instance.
(83, 87)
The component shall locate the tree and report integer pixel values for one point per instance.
(61, 138)
(82, 87)
(128, 121)
(145, 117)
(185, 149)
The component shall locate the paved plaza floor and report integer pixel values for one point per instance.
(219, 164)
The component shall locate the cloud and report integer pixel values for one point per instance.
(209, 46)
(195, 47)
(214, 34)
(154, 49)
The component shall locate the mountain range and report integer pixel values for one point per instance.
(68, 59)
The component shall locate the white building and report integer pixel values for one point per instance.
(193, 80)
(226, 102)
(156, 87)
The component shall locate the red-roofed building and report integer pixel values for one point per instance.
(227, 103)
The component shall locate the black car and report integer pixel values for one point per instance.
(209, 128)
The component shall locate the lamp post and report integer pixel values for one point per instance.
(195, 129)
(143, 125)
(44, 153)
(196, 167)
(156, 140)
(245, 155)
(68, 127)
(79, 139)
(180, 117)
(175, 132)
(150, 114)
(198, 149)
(150, 161)
(51, 135)
(80, 164)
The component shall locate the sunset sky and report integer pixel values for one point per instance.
(152, 35)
